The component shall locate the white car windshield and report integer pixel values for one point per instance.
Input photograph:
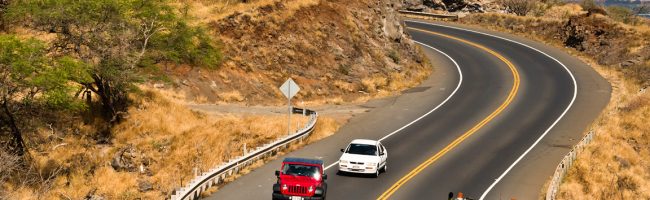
(301, 170)
(362, 149)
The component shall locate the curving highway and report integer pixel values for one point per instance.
(493, 121)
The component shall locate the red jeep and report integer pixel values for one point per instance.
(300, 179)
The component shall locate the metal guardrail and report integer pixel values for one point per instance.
(218, 175)
(430, 15)
(565, 164)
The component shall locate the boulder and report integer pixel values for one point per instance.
(628, 63)
(417, 8)
(124, 159)
(409, 3)
(144, 186)
(472, 6)
(390, 26)
(435, 4)
(475, 8)
(92, 196)
(455, 5)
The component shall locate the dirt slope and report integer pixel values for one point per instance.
(337, 51)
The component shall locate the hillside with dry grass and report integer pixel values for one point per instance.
(231, 52)
(615, 165)
(337, 51)
(155, 151)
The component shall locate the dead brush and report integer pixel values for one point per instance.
(176, 140)
(206, 11)
(614, 165)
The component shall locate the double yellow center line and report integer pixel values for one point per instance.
(457, 141)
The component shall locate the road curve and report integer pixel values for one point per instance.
(466, 88)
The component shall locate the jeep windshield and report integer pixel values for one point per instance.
(301, 170)
(362, 149)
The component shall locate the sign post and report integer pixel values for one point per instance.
(289, 89)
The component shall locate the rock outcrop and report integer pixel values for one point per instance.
(471, 6)
(328, 48)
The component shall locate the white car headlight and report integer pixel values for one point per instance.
(371, 164)
(343, 162)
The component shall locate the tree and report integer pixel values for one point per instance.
(3, 8)
(519, 7)
(113, 37)
(28, 78)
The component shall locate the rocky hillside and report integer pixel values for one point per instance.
(609, 43)
(338, 49)
(474, 6)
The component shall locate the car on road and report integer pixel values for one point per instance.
(300, 179)
(364, 157)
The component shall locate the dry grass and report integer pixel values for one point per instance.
(173, 139)
(563, 12)
(232, 96)
(327, 47)
(616, 164)
(200, 99)
(374, 83)
(206, 11)
(345, 86)
(334, 100)
(325, 127)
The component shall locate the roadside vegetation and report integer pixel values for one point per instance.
(93, 93)
(68, 70)
(617, 44)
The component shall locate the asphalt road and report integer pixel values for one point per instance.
(466, 89)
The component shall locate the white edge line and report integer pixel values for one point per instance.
(575, 94)
(460, 81)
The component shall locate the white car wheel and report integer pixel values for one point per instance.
(377, 171)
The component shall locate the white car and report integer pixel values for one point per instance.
(364, 157)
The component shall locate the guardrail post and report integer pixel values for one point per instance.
(565, 164)
(245, 150)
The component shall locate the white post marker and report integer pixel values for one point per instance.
(289, 89)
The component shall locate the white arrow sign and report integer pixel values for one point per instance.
(289, 88)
